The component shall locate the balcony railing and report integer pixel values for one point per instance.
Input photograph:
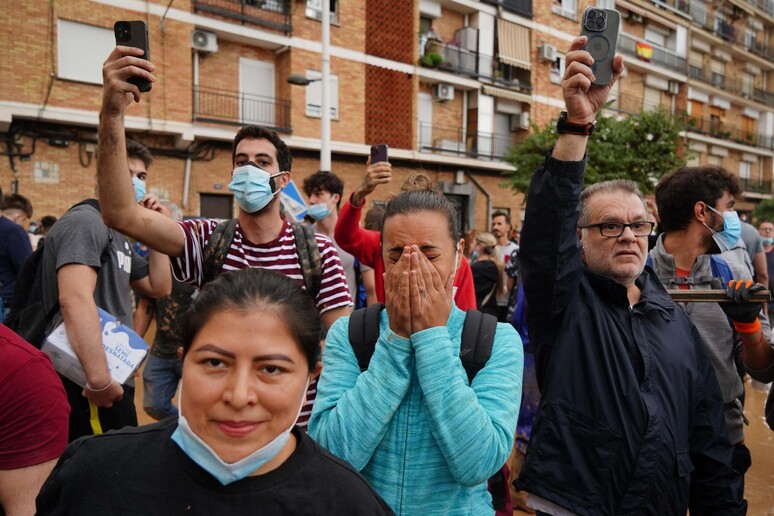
(522, 7)
(766, 6)
(452, 58)
(271, 14)
(234, 108)
(513, 78)
(456, 142)
(728, 32)
(751, 185)
(661, 56)
(717, 128)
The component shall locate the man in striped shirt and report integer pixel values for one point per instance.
(261, 162)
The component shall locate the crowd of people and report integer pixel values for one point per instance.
(547, 369)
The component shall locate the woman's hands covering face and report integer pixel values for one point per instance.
(416, 296)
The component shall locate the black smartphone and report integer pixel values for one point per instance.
(601, 27)
(379, 153)
(134, 34)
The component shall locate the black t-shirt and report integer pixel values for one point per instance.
(485, 279)
(142, 471)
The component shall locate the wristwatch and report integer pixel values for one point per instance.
(563, 126)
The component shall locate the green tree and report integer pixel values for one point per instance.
(764, 211)
(640, 147)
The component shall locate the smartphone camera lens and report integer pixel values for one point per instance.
(123, 31)
(595, 20)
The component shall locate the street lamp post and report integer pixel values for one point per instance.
(325, 75)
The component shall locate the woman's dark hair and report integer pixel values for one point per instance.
(413, 201)
(374, 218)
(258, 289)
(678, 192)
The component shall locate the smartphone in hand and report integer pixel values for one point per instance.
(601, 27)
(134, 34)
(379, 153)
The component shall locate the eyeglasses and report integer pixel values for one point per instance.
(640, 228)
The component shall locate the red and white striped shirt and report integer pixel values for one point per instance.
(279, 255)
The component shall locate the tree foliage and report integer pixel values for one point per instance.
(764, 211)
(640, 147)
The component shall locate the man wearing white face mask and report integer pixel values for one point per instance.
(696, 208)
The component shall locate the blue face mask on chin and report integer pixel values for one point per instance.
(227, 472)
(252, 187)
(732, 229)
(139, 188)
(319, 211)
(767, 241)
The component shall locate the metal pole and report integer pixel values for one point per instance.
(325, 116)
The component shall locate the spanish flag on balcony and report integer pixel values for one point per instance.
(644, 51)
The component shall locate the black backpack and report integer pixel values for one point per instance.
(306, 246)
(27, 317)
(478, 334)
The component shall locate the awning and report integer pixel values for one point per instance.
(507, 94)
(514, 43)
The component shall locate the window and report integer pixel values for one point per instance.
(82, 50)
(749, 129)
(715, 160)
(748, 84)
(314, 10)
(314, 95)
(655, 36)
(566, 8)
(651, 99)
(745, 169)
(557, 70)
(718, 73)
(696, 109)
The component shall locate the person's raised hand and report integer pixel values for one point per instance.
(151, 202)
(431, 295)
(121, 64)
(396, 295)
(376, 174)
(582, 98)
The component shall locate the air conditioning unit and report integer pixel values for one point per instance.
(547, 52)
(443, 91)
(204, 41)
(520, 122)
(674, 87)
(635, 17)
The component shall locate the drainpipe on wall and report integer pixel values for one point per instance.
(186, 182)
(486, 194)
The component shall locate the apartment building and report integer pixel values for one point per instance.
(449, 85)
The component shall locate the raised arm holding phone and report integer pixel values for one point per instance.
(628, 422)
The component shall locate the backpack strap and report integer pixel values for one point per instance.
(477, 339)
(216, 250)
(309, 256)
(364, 332)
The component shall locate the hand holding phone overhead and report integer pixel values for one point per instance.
(125, 74)
(601, 27)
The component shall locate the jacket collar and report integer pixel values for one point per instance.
(653, 296)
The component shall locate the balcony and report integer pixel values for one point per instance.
(766, 6)
(270, 14)
(452, 141)
(629, 104)
(718, 129)
(512, 77)
(522, 7)
(453, 58)
(750, 185)
(661, 56)
(728, 32)
(233, 108)
(717, 79)
(763, 96)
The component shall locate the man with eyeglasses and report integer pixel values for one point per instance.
(696, 205)
(631, 417)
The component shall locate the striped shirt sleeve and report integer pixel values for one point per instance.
(334, 291)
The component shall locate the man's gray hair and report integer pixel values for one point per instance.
(613, 186)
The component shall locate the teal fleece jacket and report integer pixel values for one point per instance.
(424, 438)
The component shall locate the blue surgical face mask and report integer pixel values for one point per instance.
(319, 211)
(227, 472)
(732, 229)
(767, 241)
(253, 187)
(139, 188)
